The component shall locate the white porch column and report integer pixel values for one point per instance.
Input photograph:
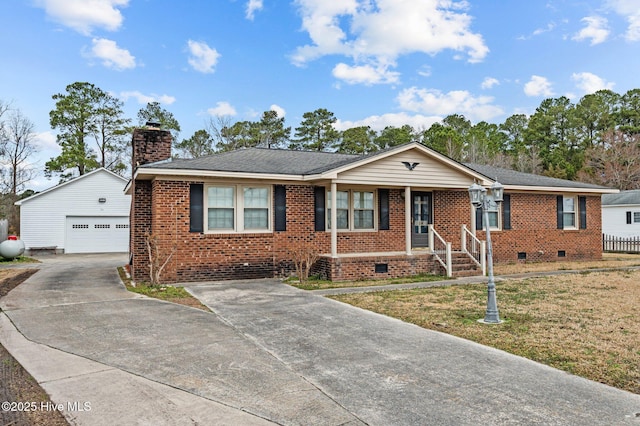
(407, 218)
(334, 219)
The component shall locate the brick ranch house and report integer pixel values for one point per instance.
(398, 212)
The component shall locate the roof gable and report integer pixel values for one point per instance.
(72, 182)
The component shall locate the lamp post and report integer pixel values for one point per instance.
(479, 199)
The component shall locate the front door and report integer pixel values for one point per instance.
(421, 218)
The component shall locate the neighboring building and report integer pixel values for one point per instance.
(240, 214)
(88, 214)
(621, 214)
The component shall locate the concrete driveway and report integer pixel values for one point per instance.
(270, 354)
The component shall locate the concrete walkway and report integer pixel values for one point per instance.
(270, 354)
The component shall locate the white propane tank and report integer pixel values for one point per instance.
(11, 248)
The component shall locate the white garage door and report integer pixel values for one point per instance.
(93, 234)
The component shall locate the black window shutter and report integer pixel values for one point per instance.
(196, 207)
(318, 197)
(280, 196)
(383, 199)
(582, 205)
(560, 201)
(506, 212)
(628, 218)
(479, 216)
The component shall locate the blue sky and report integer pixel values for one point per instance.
(370, 62)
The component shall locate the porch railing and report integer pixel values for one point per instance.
(474, 248)
(441, 250)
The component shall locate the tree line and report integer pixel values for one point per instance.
(594, 140)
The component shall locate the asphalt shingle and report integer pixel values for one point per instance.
(622, 198)
(288, 162)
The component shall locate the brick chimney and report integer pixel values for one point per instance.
(150, 144)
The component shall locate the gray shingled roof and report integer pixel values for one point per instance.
(512, 177)
(262, 160)
(622, 198)
(287, 162)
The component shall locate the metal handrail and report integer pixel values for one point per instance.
(474, 248)
(441, 249)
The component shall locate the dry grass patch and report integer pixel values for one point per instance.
(609, 260)
(586, 324)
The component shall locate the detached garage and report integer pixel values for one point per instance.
(89, 214)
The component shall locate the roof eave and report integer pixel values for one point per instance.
(142, 173)
(560, 189)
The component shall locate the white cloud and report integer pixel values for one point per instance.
(252, 7)
(364, 74)
(425, 71)
(538, 86)
(279, 110)
(222, 109)
(377, 34)
(46, 141)
(431, 101)
(630, 9)
(550, 27)
(489, 82)
(111, 55)
(85, 15)
(379, 122)
(203, 58)
(595, 30)
(143, 99)
(590, 83)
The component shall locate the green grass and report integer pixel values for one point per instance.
(19, 259)
(169, 293)
(318, 284)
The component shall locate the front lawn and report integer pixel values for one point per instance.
(586, 323)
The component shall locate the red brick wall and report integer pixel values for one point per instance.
(534, 231)
(162, 207)
(363, 267)
(450, 210)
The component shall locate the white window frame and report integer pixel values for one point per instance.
(351, 210)
(238, 209)
(497, 210)
(635, 217)
(574, 212)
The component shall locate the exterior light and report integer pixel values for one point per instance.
(479, 199)
(102, 200)
(498, 192)
(476, 193)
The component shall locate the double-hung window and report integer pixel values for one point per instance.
(569, 212)
(342, 209)
(256, 208)
(494, 213)
(238, 208)
(221, 208)
(362, 210)
(355, 210)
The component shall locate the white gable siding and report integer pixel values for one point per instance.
(429, 173)
(614, 221)
(43, 217)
